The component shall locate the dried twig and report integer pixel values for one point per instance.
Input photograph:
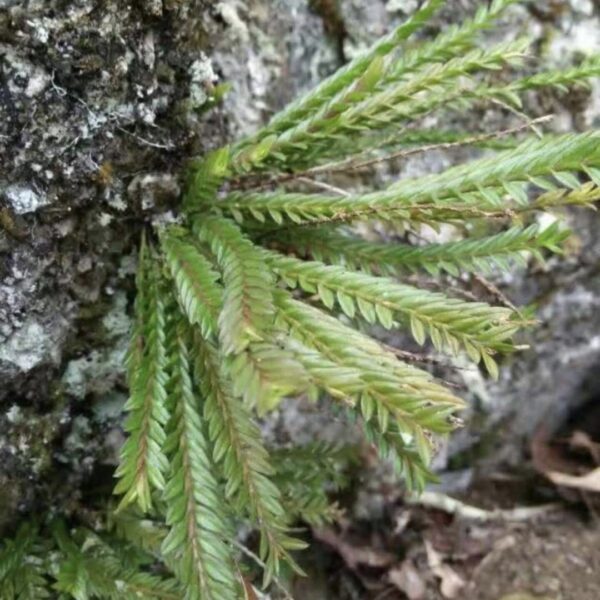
(352, 165)
(421, 149)
(466, 511)
(244, 550)
(496, 293)
(325, 186)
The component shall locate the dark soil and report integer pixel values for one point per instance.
(555, 557)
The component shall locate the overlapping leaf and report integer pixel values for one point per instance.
(143, 464)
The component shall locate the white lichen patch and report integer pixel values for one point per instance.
(585, 7)
(95, 373)
(167, 218)
(116, 322)
(38, 82)
(229, 13)
(202, 78)
(583, 37)
(127, 266)
(28, 346)
(404, 6)
(24, 199)
(150, 188)
(117, 202)
(105, 219)
(24, 74)
(13, 414)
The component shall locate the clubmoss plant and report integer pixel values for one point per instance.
(264, 290)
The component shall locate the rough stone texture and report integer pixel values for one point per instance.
(101, 103)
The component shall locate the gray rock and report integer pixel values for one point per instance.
(29, 346)
(100, 110)
(24, 199)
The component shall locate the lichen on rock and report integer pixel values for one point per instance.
(103, 104)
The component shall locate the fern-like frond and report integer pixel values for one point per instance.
(455, 40)
(484, 183)
(357, 77)
(471, 254)
(245, 462)
(142, 463)
(392, 397)
(461, 211)
(326, 373)
(195, 512)
(449, 322)
(562, 79)
(133, 527)
(199, 294)
(535, 160)
(345, 118)
(466, 96)
(91, 568)
(409, 459)
(24, 566)
(385, 384)
(394, 126)
(364, 95)
(307, 475)
(264, 374)
(205, 178)
(227, 341)
(247, 314)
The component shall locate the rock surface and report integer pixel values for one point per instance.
(101, 105)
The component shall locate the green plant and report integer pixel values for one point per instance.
(262, 290)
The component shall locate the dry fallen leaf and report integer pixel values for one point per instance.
(451, 583)
(408, 580)
(546, 456)
(562, 471)
(580, 439)
(589, 482)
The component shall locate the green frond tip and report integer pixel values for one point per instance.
(383, 109)
(143, 464)
(247, 314)
(308, 475)
(560, 78)
(264, 373)
(367, 94)
(471, 254)
(132, 527)
(455, 41)
(197, 520)
(347, 116)
(479, 185)
(24, 565)
(198, 291)
(410, 459)
(364, 373)
(238, 448)
(351, 78)
(205, 178)
(449, 322)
